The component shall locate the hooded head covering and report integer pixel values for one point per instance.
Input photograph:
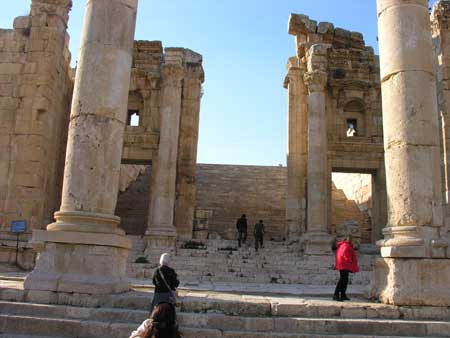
(164, 260)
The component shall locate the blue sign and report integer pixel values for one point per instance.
(18, 226)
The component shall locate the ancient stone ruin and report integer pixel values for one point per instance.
(99, 161)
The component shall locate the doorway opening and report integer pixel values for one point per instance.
(352, 206)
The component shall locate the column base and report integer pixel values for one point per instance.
(412, 242)
(160, 239)
(82, 221)
(317, 243)
(74, 262)
(408, 281)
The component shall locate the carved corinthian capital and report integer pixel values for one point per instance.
(172, 74)
(316, 80)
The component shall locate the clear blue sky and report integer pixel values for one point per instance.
(245, 46)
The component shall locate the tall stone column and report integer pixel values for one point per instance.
(84, 250)
(317, 239)
(413, 270)
(161, 230)
(187, 145)
(297, 149)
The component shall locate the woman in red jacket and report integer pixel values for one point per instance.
(346, 262)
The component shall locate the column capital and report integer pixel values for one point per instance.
(172, 74)
(293, 75)
(195, 72)
(316, 81)
(60, 8)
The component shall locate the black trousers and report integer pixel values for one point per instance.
(242, 237)
(341, 287)
(258, 240)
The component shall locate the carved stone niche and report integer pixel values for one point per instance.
(353, 116)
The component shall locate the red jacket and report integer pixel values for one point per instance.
(346, 257)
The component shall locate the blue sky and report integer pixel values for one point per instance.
(245, 47)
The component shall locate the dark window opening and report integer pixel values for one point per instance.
(352, 127)
(133, 118)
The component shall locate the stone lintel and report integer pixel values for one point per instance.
(83, 238)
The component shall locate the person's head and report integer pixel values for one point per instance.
(165, 259)
(260, 221)
(349, 238)
(164, 321)
(243, 216)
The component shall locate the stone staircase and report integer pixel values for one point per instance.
(224, 316)
(223, 261)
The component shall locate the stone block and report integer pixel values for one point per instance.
(10, 68)
(410, 281)
(9, 103)
(6, 89)
(79, 268)
(22, 22)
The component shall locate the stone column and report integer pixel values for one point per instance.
(297, 149)
(84, 250)
(317, 239)
(411, 272)
(161, 230)
(187, 145)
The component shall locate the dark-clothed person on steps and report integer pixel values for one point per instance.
(161, 324)
(258, 232)
(241, 226)
(162, 292)
(346, 262)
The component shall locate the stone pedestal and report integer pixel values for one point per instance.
(317, 239)
(409, 275)
(161, 231)
(84, 250)
(414, 282)
(90, 263)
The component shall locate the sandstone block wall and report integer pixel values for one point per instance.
(134, 198)
(224, 192)
(35, 94)
(228, 191)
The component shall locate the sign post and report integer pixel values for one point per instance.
(18, 227)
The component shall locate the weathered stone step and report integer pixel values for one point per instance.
(136, 305)
(238, 325)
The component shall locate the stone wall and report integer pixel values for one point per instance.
(134, 198)
(228, 191)
(35, 93)
(357, 187)
(224, 192)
